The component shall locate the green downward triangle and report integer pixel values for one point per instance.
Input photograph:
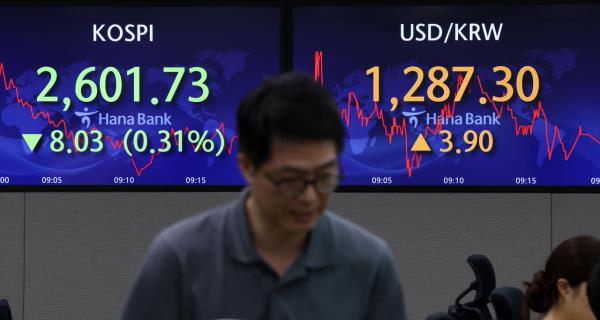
(32, 139)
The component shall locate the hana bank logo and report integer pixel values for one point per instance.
(412, 115)
(85, 116)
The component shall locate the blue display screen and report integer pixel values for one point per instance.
(99, 96)
(431, 96)
(463, 95)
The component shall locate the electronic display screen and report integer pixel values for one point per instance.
(431, 96)
(497, 96)
(102, 96)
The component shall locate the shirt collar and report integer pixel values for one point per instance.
(319, 252)
(321, 248)
(237, 229)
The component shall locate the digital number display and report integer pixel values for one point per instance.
(499, 96)
(114, 95)
(431, 96)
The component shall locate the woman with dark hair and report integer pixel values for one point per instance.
(593, 291)
(559, 291)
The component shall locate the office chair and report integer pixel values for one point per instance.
(5, 310)
(485, 282)
(508, 303)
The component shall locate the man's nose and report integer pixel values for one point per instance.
(309, 194)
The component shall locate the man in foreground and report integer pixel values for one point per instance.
(276, 252)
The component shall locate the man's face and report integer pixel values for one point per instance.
(292, 189)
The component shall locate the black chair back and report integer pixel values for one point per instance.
(508, 303)
(5, 310)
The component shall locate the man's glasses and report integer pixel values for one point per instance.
(294, 187)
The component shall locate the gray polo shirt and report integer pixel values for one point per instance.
(206, 267)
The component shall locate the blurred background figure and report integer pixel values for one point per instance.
(593, 291)
(559, 291)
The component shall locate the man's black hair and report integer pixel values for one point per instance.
(292, 107)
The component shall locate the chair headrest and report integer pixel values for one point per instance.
(485, 277)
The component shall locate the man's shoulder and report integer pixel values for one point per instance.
(355, 241)
(201, 229)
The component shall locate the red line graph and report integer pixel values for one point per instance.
(115, 143)
(398, 128)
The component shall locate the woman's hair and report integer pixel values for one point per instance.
(593, 291)
(572, 260)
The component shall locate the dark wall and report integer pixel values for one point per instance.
(74, 255)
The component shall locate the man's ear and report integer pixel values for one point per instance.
(246, 167)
